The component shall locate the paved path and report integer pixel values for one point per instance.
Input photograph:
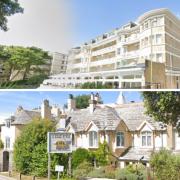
(5, 178)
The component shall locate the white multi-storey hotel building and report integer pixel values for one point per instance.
(141, 54)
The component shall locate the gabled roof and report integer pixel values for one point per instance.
(134, 115)
(103, 117)
(24, 117)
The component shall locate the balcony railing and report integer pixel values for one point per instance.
(130, 54)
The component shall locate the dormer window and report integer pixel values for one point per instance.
(146, 138)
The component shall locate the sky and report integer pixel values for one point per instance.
(57, 25)
(10, 100)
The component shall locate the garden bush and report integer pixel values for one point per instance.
(165, 165)
(79, 156)
(103, 172)
(82, 171)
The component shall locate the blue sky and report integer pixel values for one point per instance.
(28, 99)
(60, 24)
(94, 17)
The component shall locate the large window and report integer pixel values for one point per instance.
(120, 139)
(146, 138)
(158, 38)
(93, 139)
(7, 143)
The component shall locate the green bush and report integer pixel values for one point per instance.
(30, 149)
(1, 144)
(82, 170)
(165, 165)
(103, 172)
(124, 174)
(79, 156)
(98, 85)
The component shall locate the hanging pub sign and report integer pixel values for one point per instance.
(59, 142)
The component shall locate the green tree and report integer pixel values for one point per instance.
(22, 59)
(82, 101)
(8, 8)
(30, 149)
(79, 156)
(165, 165)
(163, 107)
(102, 154)
(1, 144)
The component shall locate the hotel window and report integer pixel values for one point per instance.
(7, 142)
(146, 138)
(158, 38)
(159, 57)
(93, 139)
(120, 139)
(119, 51)
(160, 21)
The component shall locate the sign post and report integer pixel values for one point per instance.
(59, 169)
(58, 142)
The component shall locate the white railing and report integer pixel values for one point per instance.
(130, 54)
(104, 51)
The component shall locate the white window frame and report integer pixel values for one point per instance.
(94, 141)
(122, 144)
(7, 142)
(147, 134)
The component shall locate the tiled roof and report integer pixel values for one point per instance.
(133, 114)
(136, 154)
(25, 116)
(103, 117)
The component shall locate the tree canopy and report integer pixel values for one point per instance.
(30, 149)
(21, 58)
(163, 107)
(8, 8)
(82, 101)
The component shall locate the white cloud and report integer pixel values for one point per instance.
(45, 23)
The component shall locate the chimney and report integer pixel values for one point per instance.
(71, 103)
(19, 109)
(92, 103)
(55, 111)
(97, 98)
(45, 110)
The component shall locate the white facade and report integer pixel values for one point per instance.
(118, 57)
(59, 63)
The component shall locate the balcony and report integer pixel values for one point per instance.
(127, 63)
(130, 54)
(104, 51)
(130, 40)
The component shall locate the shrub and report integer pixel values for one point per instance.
(124, 174)
(79, 156)
(1, 144)
(103, 172)
(82, 170)
(165, 165)
(102, 154)
(30, 149)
